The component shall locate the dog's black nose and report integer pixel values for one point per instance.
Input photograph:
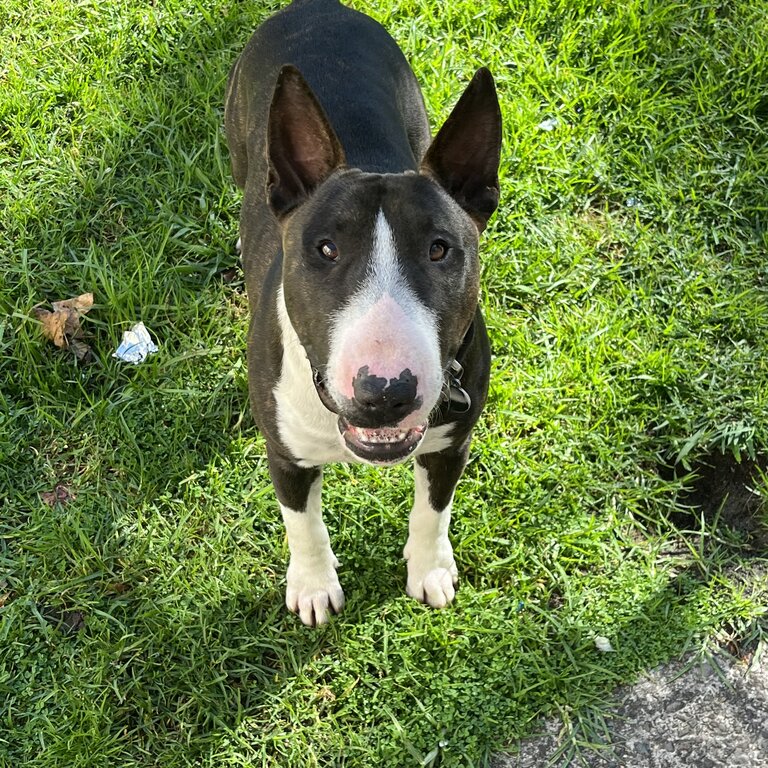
(378, 401)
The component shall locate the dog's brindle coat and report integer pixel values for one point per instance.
(360, 250)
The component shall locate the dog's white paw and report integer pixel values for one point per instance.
(436, 587)
(432, 575)
(313, 591)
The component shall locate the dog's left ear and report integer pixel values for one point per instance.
(302, 147)
(464, 156)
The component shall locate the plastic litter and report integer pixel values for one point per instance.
(549, 124)
(136, 345)
(603, 644)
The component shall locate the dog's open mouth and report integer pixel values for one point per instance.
(376, 445)
(381, 445)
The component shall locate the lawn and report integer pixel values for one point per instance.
(142, 556)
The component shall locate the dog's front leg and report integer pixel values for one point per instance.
(432, 573)
(313, 589)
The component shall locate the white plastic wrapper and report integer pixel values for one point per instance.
(136, 345)
(549, 124)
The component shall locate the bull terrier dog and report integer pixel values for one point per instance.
(359, 241)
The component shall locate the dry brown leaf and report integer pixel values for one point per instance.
(62, 326)
(80, 304)
(60, 494)
(72, 621)
(53, 325)
(229, 275)
(82, 351)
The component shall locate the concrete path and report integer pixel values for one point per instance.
(697, 715)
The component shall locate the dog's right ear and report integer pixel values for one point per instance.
(302, 148)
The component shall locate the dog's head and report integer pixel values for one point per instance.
(381, 271)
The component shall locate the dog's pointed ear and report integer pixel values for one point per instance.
(302, 147)
(464, 156)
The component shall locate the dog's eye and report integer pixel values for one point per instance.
(438, 250)
(328, 250)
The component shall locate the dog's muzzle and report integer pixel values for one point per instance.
(372, 443)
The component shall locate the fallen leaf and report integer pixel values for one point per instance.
(62, 325)
(72, 621)
(59, 495)
(66, 621)
(229, 275)
(81, 303)
(53, 325)
(82, 351)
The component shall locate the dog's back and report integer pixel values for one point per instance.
(356, 70)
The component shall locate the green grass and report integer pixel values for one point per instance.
(626, 291)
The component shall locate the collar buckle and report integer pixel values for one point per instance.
(458, 398)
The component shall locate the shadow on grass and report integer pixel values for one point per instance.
(149, 249)
(717, 536)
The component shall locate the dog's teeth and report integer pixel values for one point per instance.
(385, 436)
